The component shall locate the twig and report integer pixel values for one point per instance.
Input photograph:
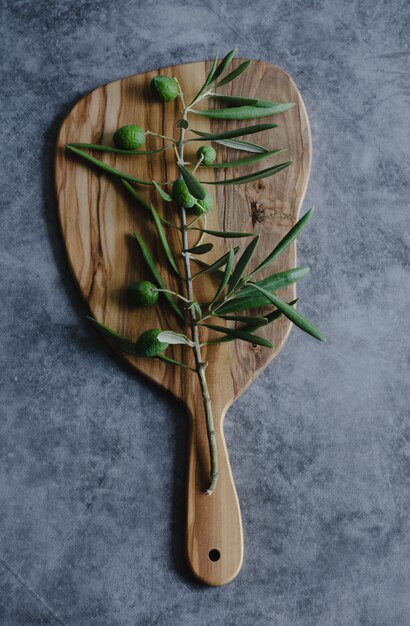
(200, 365)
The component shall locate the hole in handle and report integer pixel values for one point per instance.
(214, 554)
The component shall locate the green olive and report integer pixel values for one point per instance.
(181, 195)
(202, 206)
(129, 137)
(207, 153)
(165, 88)
(143, 293)
(147, 344)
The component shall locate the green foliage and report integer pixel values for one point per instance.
(194, 186)
(285, 242)
(225, 234)
(214, 267)
(203, 249)
(168, 361)
(100, 148)
(155, 273)
(229, 134)
(121, 342)
(248, 319)
(252, 323)
(228, 138)
(249, 178)
(254, 102)
(240, 334)
(107, 168)
(242, 264)
(234, 74)
(238, 144)
(224, 64)
(245, 112)
(226, 276)
(164, 195)
(246, 161)
(248, 297)
(134, 193)
(208, 80)
(269, 317)
(163, 239)
(292, 314)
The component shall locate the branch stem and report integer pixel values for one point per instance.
(193, 318)
(150, 132)
(173, 293)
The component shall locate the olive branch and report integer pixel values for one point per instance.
(238, 291)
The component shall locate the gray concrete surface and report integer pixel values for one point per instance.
(92, 461)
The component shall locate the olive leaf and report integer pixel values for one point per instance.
(234, 100)
(135, 195)
(242, 264)
(240, 101)
(246, 161)
(234, 74)
(197, 309)
(249, 178)
(249, 298)
(245, 112)
(252, 326)
(225, 234)
(285, 242)
(207, 81)
(269, 317)
(168, 336)
(212, 72)
(105, 167)
(229, 134)
(292, 314)
(237, 144)
(169, 361)
(194, 186)
(240, 334)
(168, 223)
(214, 267)
(202, 249)
(158, 224)
(275, 282)
(226, 276)
(99, 148)
(151, 264)
(224, 64)
(122, 342)
(164, 195)
(163, 238)
(249, 319)
(224, 339)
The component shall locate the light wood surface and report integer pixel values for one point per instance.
(97, 218)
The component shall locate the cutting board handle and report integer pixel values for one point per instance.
(214, 537)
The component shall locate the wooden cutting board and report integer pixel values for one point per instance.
(97, 218)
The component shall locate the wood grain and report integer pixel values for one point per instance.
(97, 218)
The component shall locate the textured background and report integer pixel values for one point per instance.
(92, 461)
